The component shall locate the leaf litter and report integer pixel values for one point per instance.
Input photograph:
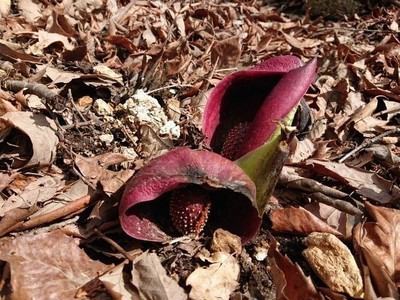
(93, 90)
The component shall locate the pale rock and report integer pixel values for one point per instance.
(102, 108)
(334, 264)
(226, 242)
(129, 152)
(145, 110)
(170, 128)
(35, 102)
(106, 138)
(261, 253)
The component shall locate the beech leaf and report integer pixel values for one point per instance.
(377, 240)
(35, 134)
(152, 281)
(50, 255)
(290, 281)
(366, 183)
(299, 220)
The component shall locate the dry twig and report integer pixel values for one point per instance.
(341, 205)
(367, 143)
(69, 209)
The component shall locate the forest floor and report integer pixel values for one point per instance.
(92, 90)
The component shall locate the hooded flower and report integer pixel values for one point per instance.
(245, 108)
(227, 196)
(243, 114)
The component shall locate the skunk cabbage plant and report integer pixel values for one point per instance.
(185, 191)
(244, 113)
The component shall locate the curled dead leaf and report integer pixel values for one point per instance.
(299, 220)
(217, 281)
(289, 278)
(47, 254)
(151, 280)
(27, 139)
(377, 240)
(95, 170)
(367, 184)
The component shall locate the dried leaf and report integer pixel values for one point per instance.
(50, 255)
(32, 137)
(289, 279)
(298, 220)
(377, 242)
(46, 39)
(226, 52)
(39, 191)
(224, 241)
(335, 218)
(302, 150)
(115, 284)
(5, 6)
(12, 55)
(151, 280)
(366, 183)
(301, 44)
(217, 281)
(94, 169)
(30, 10)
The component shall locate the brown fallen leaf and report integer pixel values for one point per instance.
(377, 241)
(30, 10)
(60, 25)
(12, 55)
(116, 285)
(227, 52)
(30, 139)
(301, 44)
(151, 280)
(46, 39)
(298, 220)
(5, 6)
(38, 191)
(367, 184)
(334, 264)
(217, 281)
(50, 255)
(289, 278)
(73, 191)
(335, 218)
(301, 150)
(95, 170)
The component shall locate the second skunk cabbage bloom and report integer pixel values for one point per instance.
(184, 190)
(243, 112)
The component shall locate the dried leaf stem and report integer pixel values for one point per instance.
(339, 204)
(367, 143)
(67, 210)
(37, 89)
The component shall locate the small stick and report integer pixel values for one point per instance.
(113, 244)
(178, 85)
(77, 125)
(37, 89)
(295, 181)
(367, 143)
(336, 203)
(67, 210)
(71, 99)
